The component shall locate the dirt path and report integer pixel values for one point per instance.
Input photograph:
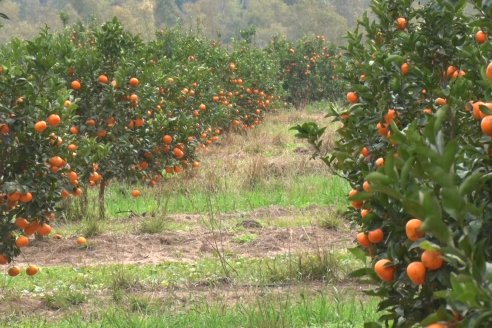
(181, 246)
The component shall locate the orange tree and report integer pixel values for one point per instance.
(307, 69)
(34, 161)
(415, 147)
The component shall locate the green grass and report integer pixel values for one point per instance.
(299, 192)
(327, 265)
(322, 310)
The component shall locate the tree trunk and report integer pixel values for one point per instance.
(102, 209)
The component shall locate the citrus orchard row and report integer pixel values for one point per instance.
(94, 104)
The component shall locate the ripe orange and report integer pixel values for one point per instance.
(178, 153)
(412, 229)
(477, 113)
(441, 101)
(134, 82)
(44, 229)
(385, 271)
(382, 129)
(364, 213)
(14, 271)
(486, 125)
(366, 186)
(401, 23)
(437, 325)
(22, 241)
(376, 236)
(489, 71)
(26, 198)
(364, 152)
(195, 164)
(81, 241)
(21, 222)
(202, 107)
(404, 68)
(167, 139)
(363, 240)
(450, 71)
(74, 130)
(481, 37)
(40, 126)
(352, 97)
(31, 228)
(355, 203)
(75, 85)
(56, 161)
(135, 193)
(427, 111)
(32, 270)
(232, 67)
(54, 120)
(416, 272)
(133, 98)
(72, 147)
(432, 260)
(3, 260)
(103, 79)
(379, 162)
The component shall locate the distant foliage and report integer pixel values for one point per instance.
(218, 19)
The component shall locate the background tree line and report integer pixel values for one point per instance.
(218, 19)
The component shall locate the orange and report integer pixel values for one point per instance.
(376, 236)
(44, 229)
(21, 222)
(178, 153)
(134, 82)
(74, 130)
(437, 325)
(364, 152)
(40, 126)
(135, 193)
(486, 125)
(385, 271)
(81, 241)
(432, 260)
(26, 198)
(22, 241)
(404, 69)
(232, 67)
(103, 79)
(412, 229)
(481, 37)
(56, 161)
(167, 139)
(14, 271)
(382, 129)
(32, 270)
(366, 186)
(390, 116)
(75, 85)
(477, 113)
(401, 23)
(364, 213)
(427, 111)
(416, 272)
(3, 260)
(355, 203)
(352, 97)
(450, 71)
(133, 98)
(441, 101)
(379, 162)
(31, 228)
(72, 147)
(202, 107)
(489, 71)
(195, 164)
(363, 240)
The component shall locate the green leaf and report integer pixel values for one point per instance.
(433, 222)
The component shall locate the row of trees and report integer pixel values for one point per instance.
(222, 19)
